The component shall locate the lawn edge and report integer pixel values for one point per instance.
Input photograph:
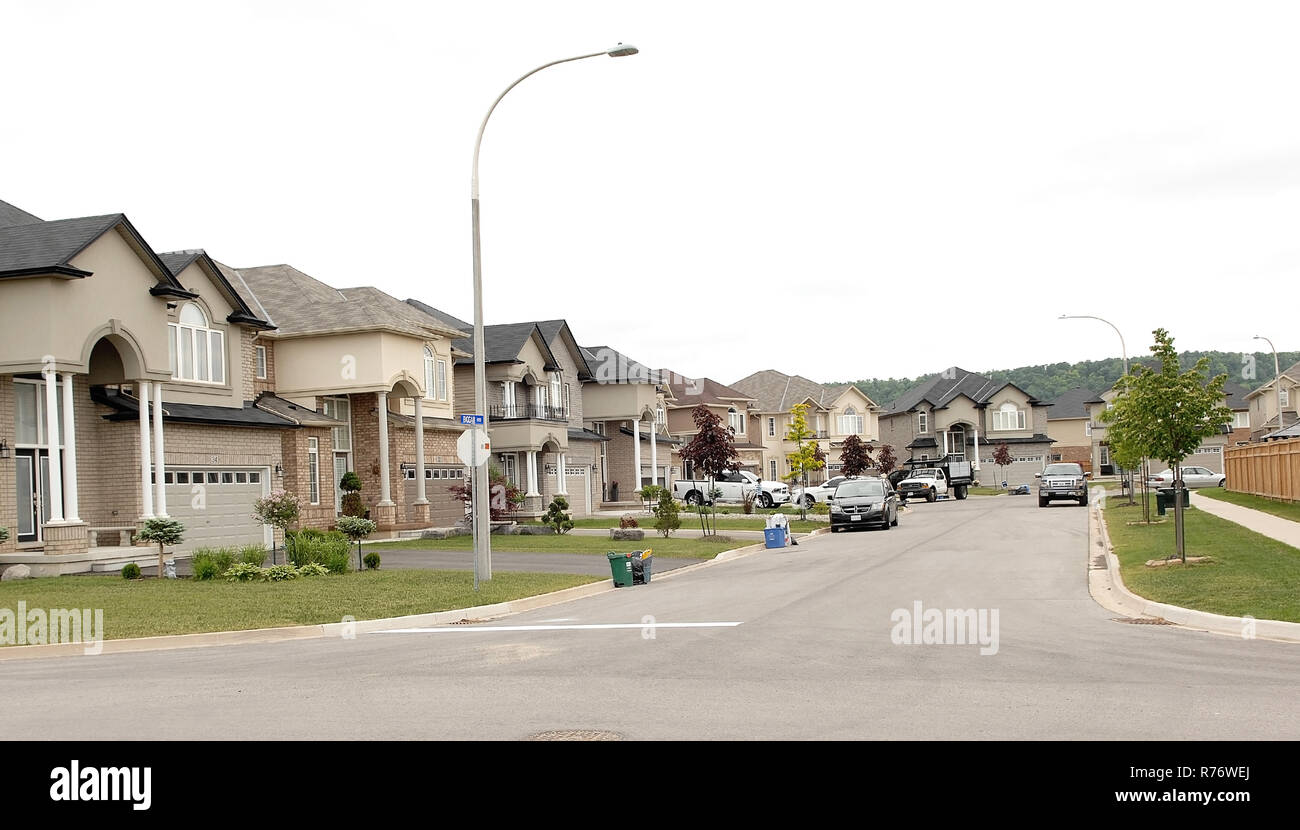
(1108, 590)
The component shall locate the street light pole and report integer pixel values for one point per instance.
(1277, 380)
(1122, 349)
(482, 496)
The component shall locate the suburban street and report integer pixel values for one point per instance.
(811, 657)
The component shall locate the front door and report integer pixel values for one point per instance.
(33, 493)
(340, 470)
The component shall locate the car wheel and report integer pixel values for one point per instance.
(930, 496)
(1083, 502)
(1042, 501)
(765, 499)
(886, 524)
(894, 523)
(834, 529)
(1223, 482)
(692, 498)
(808, 502)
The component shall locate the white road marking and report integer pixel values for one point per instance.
(560, 619)
(584, 627)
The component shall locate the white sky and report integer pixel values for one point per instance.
(842, 190)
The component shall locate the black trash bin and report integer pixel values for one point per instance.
(1162, 501)
(641, 564)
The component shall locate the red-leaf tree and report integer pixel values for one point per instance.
(886, 462)
(506, 497)
(1002, 458)
(712, 450)
(855, 456)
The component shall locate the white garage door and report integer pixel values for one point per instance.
(216, 505)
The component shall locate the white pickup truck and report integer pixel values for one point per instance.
(733, 486)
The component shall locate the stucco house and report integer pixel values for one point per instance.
(1070, 421)
(965, 414)
(1263, 417)
(834, 412)
(627, 402)
(730, 405)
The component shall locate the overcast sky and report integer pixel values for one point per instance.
(838, 189)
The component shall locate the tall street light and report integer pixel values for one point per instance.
(482, 510)
(1122, 350)
(1277, 380)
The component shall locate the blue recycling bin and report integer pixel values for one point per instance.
(776, 537)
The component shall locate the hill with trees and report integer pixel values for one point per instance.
(1047, 381)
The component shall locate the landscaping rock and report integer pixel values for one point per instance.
(16, 572)
(536, 530)
(1160, 563)
(444, 533)
(630, 534)
(505, 528)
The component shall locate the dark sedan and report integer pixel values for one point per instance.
(868, 502)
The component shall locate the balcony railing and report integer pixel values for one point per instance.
(822, 433)
(524, 412)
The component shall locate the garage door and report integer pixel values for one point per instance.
(216, 505)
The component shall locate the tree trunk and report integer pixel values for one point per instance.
(1179, 547)
(160, 560)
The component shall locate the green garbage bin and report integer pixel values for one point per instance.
(1162, 502)
(620, 564)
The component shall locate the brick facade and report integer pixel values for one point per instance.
(297, 477)
(8, 474)
(252, 382)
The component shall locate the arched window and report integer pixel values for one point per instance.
(430, 391)
(1009, 417)
(851, 423)
(435, 376)
(661, 416)
(735, 420)
(197, 351)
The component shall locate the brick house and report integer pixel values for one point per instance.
(627, 403)
(835, 411)
(1070, 420)
(730, 405)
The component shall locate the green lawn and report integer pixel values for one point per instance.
(1251, 574)
(686, 547)
(1285, 509)
(986, 491)
(691, 520)
(150, 607)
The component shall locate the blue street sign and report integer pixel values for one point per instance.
(472, 420)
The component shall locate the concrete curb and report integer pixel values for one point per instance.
(335, 630)
(1109, 591)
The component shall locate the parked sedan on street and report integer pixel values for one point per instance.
(1193, 477)
(864, 502)
(808, 496)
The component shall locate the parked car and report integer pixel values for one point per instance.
(864, 502)
(771, 493)
(808, 496)
(927, 483)
(1063, 480)
(1193, 477)
(734, 486)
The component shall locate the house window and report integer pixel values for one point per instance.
(1104, 456)
(566, 399)
(30, 413)
(340, 409)
(1009, 417)
(1241, 420)
(508, 398)
(922, 423)
(557, 391)
(261, 363)
(771, 430)
(1285, 397)
(197, 352)
(661, 415)
(442, 380)
(430, 389)
(851, 423)
(735, 420)
(1087, 429)
(771, 466)
(541, 399)
(313, 470)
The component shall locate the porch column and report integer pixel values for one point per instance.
(636, 455)
(654, 454)
(385, 496)
(146, 487)
(420, 496)
(52, 440)
(159, 461)
(530, 460)
(69, 451)
(560, 488)
(944, 435)
(976, 461)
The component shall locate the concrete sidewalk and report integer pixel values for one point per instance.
(1275, 527)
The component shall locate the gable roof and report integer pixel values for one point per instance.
(244, 314)
(939, 391)
(691, 392)
(551, 329)
(301, 305)
(1290, 373)
(612, 366)
(12, 215)
(502, 342)
(1237, 396)
(776, 391)
(1072, 403)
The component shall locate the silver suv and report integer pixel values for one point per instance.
(1062, 481)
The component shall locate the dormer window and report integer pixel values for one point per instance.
(851, 423)
(736, 421)
(1009, 417)
(197, 351)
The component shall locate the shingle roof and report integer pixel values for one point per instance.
(776, 391)
(502, 342)
(552, 329)
(1236, 396)
(178, 261)
(612, 366)
(11, 215)
(1072, 403)
(50, 245)
(290, 411)
(301, 305)
(690, 392)
(128, 409)
(941, 389)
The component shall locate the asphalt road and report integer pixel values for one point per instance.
(812, 657)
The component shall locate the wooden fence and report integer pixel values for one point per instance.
(1270, 469)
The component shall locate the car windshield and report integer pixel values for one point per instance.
(1063, 470)
(853, 489)
(923, 473)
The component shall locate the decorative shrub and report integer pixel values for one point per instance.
(4, 534)
(313, 569)
(650, 495)
(253, 555)
(130, 571)
(204, 567)
(354, 527)
(278, 573)
(557, 515)
(311, 545)
(242, 572)
(747, 503)
(164, 532)
(337, 561)
(351, 505)
(628, 521)
(667, 518)
(372, 561)
(821, 508)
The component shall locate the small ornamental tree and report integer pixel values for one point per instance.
(1129, 457)
(163, 532)
(666, 514)
(650, 496)
(557, 515)
(4, 534)
(855, 456)
(712, 450)
(351, 504)
(807, 457)
(280, 509)
(505, 500)
(886, 462)
(1002, 458)
(356, 529)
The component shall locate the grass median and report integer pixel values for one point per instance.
(1250, 573)
(154, 607)
(687, 547)
(1282, 509)
(691, 522)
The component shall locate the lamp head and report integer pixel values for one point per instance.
(622, 50)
